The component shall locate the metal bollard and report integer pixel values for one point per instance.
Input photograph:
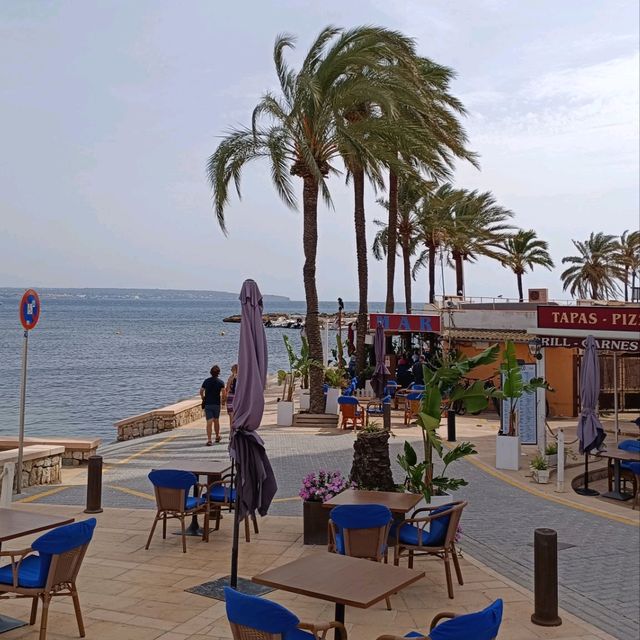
(545, 560)
(94, 485)
(560, 470)
(451, 425)
(386, 416)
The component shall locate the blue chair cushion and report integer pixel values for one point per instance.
(634, 467)
(263, 615)
(174, 479)
(217, 493)
(30, 575)
(192, 503)
(483, 625)
(347, 400)
(410, 534)
(414, 395)
(629, 445)
(414, 634)
(360, 516)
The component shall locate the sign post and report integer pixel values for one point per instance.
(29, 316)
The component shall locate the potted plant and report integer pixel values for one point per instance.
(540, 469)
(513, 388)
(444, 386)
(288, 380)
(551, 454)
(371, 468)
(301, 367)
(315, 490)
(334, 377)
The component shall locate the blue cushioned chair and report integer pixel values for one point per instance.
(360, 531)
(350, 411)
(376, 407)
(626, 474)
(172, 488)
(222, 495)
(483, 625)
(634, 468)
(412, 405)
(48, 568)
(431, 535)
(253, 618)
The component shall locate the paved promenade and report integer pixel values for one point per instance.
(599, 564)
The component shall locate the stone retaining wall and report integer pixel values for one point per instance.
(74, 458)
(159, 420)
(47, 470)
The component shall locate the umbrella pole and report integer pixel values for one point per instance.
(585, 491)
(233, 580)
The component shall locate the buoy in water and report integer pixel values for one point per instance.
(222, 333)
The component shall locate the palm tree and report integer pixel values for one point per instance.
(438, 119)
(628, 257)
(594, 272)
(522, 250)
(298, 132)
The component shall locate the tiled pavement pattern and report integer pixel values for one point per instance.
(599, 576)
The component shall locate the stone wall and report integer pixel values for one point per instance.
(75, 457)
(47, 470)
(160, 420)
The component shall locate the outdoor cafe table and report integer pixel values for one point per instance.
(618, 455)
(339, 579)
(213, 469)
(398, 503)
(15, 524)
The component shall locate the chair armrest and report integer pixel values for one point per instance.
(318, 629)
(21, 554)
(431, 517)
(441, 616)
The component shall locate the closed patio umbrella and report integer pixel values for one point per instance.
(590, 431)
(380, 373)
(254, 480)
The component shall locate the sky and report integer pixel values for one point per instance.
(109, 111)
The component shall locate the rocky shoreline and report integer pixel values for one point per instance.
(293, 321)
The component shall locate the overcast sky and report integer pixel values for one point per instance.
(109, 110)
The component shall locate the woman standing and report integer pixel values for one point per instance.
(230, 391)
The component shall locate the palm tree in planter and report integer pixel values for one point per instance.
(444, 385)
(513, 388)
(297, 130)
(524, 249)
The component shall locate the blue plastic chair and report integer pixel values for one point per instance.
(49, 568)
(360, 531)
(172, 488)
(433, 534)
(260, 619)
(350, 411)
(482, 625)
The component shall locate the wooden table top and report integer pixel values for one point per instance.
(396, 502)
(15, 523)
(209, 468)
(620, 454)
(341, 579)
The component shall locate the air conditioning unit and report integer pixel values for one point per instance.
(538, 295)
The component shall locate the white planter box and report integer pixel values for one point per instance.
(368, 389)
(285, 413)
(508, 452)
(552, 460)
(332, 400)
(304, 399)
(541, 476)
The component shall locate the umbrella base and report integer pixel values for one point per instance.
(215, 589)
(582, 491)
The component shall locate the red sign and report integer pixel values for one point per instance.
(400, 322)
(29, 309)
(621, 345)
(590, 318)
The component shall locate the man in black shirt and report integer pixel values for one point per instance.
(418, 375)
(211, 393)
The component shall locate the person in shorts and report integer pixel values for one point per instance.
(230, 391)
(211, 392)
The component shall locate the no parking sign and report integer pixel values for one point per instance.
(29, 309)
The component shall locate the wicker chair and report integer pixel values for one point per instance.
(222, 495)
(375, 408)
(48, 568)
(350, 411)
(626, 473)
(483, 625)
(412, 538)
(172, 488)
(253, 618)
(360, 531)
(412, 405)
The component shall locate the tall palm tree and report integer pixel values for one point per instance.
(298, 132)
(594, 272)
(524, 249)
(628, 257)
(477, 227)
(438, 118)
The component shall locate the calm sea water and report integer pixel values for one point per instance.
(101, 356)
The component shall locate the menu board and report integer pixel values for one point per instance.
(527, 409)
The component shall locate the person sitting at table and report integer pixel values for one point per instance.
(417, 371)
(403, 371)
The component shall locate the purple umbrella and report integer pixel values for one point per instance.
(255, 482)
(380, 373)
(590, 430)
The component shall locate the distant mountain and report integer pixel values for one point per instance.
(136, 294)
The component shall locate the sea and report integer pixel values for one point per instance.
(100, 355)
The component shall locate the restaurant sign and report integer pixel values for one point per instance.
(590, 318)
(621, 345)
(409, 322)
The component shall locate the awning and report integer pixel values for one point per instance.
(487, 335)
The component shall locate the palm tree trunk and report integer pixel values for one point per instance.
(458, 260)
(312, 325)
(626, 284)
(431, 247)
(392, 240)
(361, 257)
(520, 293)
(406, 263)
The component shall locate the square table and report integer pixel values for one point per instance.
(213, 469)
(397, 502)
(339, 579)
(15, 524)
(617, 455)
